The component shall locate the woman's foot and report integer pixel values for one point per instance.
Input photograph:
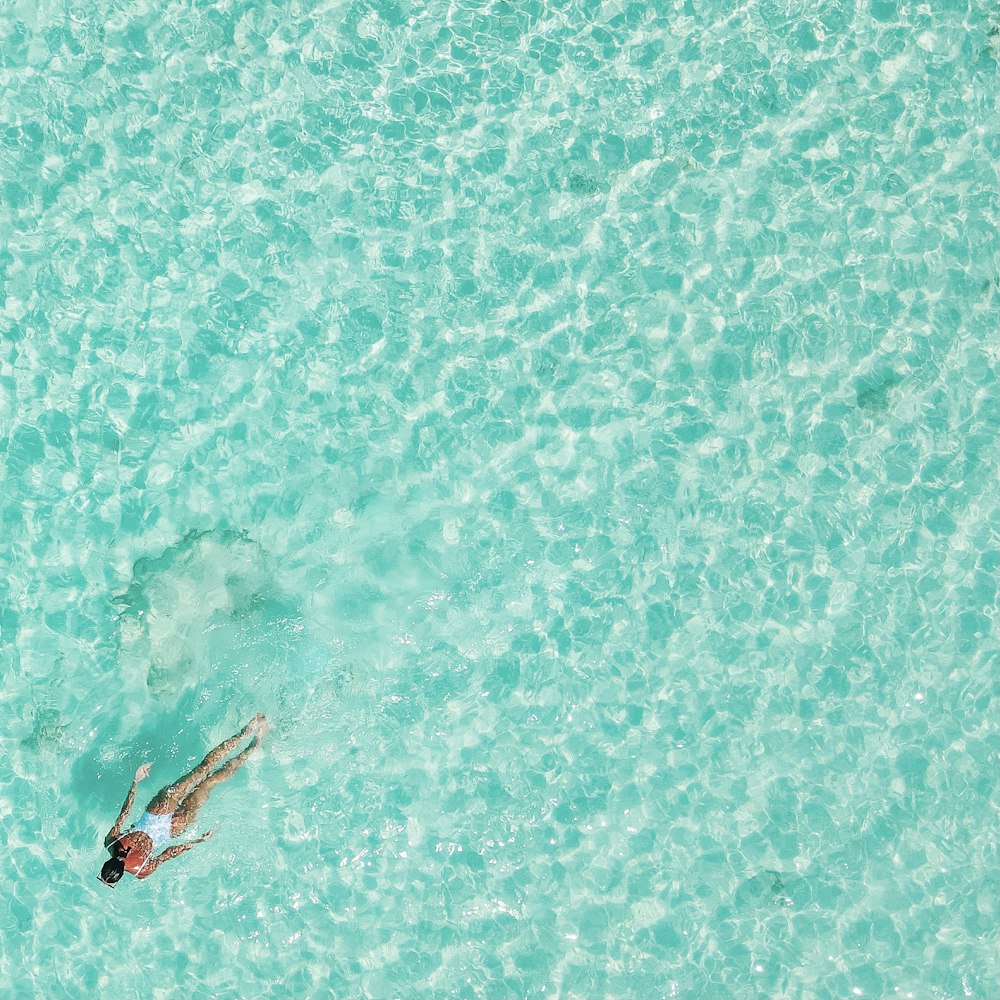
(261, 727)
(257, 725)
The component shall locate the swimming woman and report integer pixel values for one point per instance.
(172, 810)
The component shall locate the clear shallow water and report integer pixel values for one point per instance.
(576, 426)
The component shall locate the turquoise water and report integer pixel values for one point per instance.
(575, 425)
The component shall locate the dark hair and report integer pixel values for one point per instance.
(112, 870)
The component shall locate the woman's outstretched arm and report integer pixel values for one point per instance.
(171, 852)
(116, 830)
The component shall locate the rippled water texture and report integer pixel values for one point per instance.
(575, 425)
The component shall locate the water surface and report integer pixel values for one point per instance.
(574, 424)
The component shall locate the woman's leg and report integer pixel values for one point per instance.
(196, 798)
(167, 799)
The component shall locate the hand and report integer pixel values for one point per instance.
(142, 772)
